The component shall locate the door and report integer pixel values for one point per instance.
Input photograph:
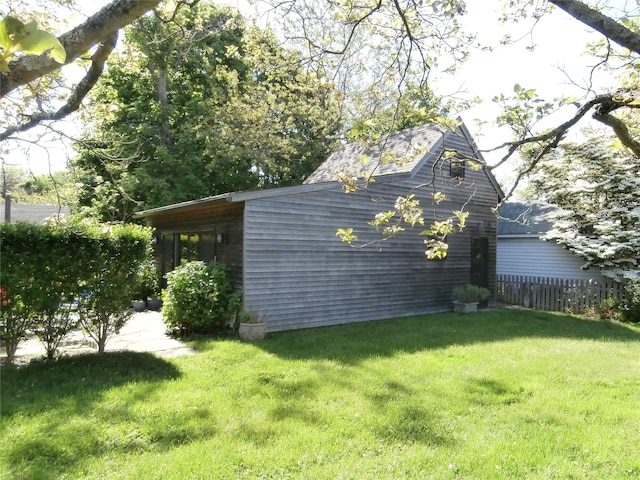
(480, 261)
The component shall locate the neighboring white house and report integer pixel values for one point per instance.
(38, 214)
(522, 252)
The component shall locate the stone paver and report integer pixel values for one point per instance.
(144, 332)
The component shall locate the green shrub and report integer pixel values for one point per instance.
(149, 280)
(115, 254)
(40, 273)
(470, 293)
(627, 310)
(46, 267)
(198, 299)
(631, 312)
(14, 322)
(610, 309)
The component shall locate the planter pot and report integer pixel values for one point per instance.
(460, 307)
(138, 305)
(252, 332)
(154, 304)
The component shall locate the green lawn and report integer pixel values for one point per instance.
(508, 394)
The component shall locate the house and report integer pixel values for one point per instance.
(284, 256)
(17, 212)
(522, 252)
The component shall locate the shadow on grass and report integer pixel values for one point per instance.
(354, 342)
(41, 385)
(54, 414)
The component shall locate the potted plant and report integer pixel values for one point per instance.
(252, 326)
(467, 297)
(154, 302)
(138, 304)
(150, 285)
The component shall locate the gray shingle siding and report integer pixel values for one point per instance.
(299, 274)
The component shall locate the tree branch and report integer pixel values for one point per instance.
(602, 106)
(611, 29)
(98, 28)
(621, 131)
(556, 134)
(355, 24)
(98, 60)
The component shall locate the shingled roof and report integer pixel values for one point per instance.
(531, 219)
(408, 146)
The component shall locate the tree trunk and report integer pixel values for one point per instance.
(162, 86)
(102, 336)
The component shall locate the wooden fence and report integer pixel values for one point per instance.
(556, 294)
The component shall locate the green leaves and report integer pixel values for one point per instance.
(17, 37)
(437, 247)
(234, 110)
(523, 110)
(406, 211)
(198, 298)
(346, 235)
(44, 266)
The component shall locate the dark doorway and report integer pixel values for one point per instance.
(480, 261)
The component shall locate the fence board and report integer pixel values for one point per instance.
(556, 294)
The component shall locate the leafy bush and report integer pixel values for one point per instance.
(198, 298)
(627, 310)
(631, 312)
(149, 280)
(46, 267)
(14, 323)
(39, 274)
(115, 256)
(610, 309)
(470, 293)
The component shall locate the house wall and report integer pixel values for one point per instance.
(284, 255)
(299, 274)
(530, 256)
(478, 193)
(32, 213)
(225, 218)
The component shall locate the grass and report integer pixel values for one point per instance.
(508, 394)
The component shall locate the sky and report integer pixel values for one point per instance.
(559, 39)
(556, 67)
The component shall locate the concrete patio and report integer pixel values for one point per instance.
(144, 332)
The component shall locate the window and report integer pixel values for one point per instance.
(456, 168)
(188, 247)
(180, 248)
(196, 246)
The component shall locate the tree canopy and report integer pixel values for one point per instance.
(413, 38)
(597, 186)
(199, 106)
(416, 36)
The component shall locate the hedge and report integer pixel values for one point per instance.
(47, 270)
